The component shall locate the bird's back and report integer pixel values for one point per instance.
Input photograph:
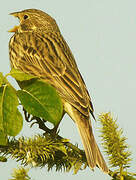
(48, 56)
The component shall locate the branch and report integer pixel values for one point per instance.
(20, 174)
(116, 147)
(46, 150)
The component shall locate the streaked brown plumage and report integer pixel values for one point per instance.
(38, 48)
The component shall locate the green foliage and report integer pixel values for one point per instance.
(3, 159)
(1, 79)
(8, 111)
(3, 138)
(47, 150)
(41, 99)
(37, 97)
(12, 119)
(113, 142)
(20, 174)
(53, 151)
(20, 75)
(44, 104)
(115, 146)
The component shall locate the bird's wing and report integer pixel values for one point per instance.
(49, 57)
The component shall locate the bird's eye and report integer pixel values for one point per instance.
(25, 16)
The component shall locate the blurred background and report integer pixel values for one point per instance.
(102, 37)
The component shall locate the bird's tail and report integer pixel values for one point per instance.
(93, 154)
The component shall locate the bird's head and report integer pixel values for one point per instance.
(34, 20)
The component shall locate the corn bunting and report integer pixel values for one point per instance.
(38, 48)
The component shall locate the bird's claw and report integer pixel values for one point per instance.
(41, 123)
(27, 115)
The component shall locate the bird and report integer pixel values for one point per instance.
(37, 47)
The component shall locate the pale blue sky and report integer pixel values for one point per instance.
(102, 37)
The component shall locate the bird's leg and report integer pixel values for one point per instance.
(41, 123)
(54, 130)
(38, 121)
(27, 115)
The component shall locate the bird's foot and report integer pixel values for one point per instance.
(27, 115)
(41, 123)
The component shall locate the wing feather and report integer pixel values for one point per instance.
(49, 57)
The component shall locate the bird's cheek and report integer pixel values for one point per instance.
(24, 27)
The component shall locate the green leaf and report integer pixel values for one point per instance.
(16, 125)
(1, 118)
(41, 99)
(3, 138)
(20, 174)
(12, 119)
(2, 79)
(20, 75)
(3, 159)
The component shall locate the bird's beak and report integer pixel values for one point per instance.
(15, 28)
(15, 14)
